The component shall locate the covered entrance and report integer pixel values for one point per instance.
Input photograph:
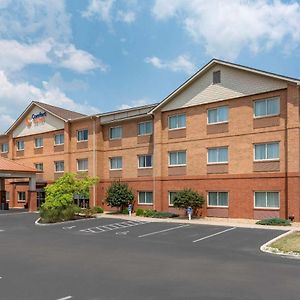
(12, 170)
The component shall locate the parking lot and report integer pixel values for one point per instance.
(121, 259)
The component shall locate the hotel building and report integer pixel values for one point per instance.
(230, 132)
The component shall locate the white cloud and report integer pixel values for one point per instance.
(227, 27)
(126, 16)
(135, 103)
(15, 96)
(180, 64)
(100, 9)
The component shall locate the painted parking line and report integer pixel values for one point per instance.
(214, 234)
(161, 231)
(65, 298)
(113, 226)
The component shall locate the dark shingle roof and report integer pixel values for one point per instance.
(60, 112)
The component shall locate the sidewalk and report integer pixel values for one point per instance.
(243, 223)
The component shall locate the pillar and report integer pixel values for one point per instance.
(32, 195)
(2, 191)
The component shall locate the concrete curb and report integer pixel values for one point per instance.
(197, 222)
(267, 249)
(60, 223)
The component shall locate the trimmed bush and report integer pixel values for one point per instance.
(54, 215)
(139, 212)
(150, 213)
(274, 221)
(162, 214)
(125, 211)
(98, 209)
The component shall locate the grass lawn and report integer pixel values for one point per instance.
(288, 243)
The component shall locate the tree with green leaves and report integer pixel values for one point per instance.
(188, 198)
(119, 195)
(61, 193)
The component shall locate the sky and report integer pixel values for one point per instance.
(95, 56)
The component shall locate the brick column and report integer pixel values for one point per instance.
(32, 201)
(2, 191)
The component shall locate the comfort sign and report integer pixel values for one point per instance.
(36, 119)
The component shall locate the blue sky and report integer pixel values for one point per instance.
(100, 55)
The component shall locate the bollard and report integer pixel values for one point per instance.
(189, 212)
(129, 209)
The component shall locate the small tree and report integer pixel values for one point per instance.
(188, 198)
(60, 194)
(119, 195)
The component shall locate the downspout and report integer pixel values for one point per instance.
(286, 161)
(154, 164)
(94, 160)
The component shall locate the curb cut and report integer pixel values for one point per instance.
(270, 250)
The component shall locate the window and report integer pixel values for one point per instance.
(145, 161)
(145, 198)
(39, 166)
(266, 199)
(218, 199)
(268, 151)
(21, 196)
(116, 163)
(59, 166)
(38, 142)
(267, 107)
(82, 135)
(115, 133)
(59, 139)
(218, 155)
(217, 115)
(177, 158)
(7, 196)
(145, 128)
(20, 145)
(216, 77)
(4, 148)
(177, 121)
(82, 165)
(172, 197)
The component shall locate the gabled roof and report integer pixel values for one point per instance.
(214, 62)
(8, 165)
(61, 113)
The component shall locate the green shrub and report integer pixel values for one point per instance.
(149, 213)
(119, 195)
(88, 212)
(139, 212)
(125, 211)
(274, 221)
(162, 214)
(68, 213)
(188, 198)
(98, 209)
(54, 215)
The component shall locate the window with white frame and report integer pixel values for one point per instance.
(59, 166)
(21, 196)
(7, 196)
(4, 148)
(82, 164)
(266, 199)
(38, 142)
(267, 107)
(115, 133)
(116, 163)
(39, 166)
(217, 199)
(145, 198)
(217, 155)
(172, 196)
(268, 151)
(217, 115)
(59, 139)
(145, 128)
(145, 161)
(20, 145)
(177, 158)
(82, 135)
(177, 121)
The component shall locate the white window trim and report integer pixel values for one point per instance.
(118, 169)
(218, 162)
(266, 116)
(266, 208)
(77, 135)
(169, 197)
(35, 164)
(77, 160)
(149, 204)
(117, 138)
(178, 165)
(218, 206)
(3, 152)
(54, 139)
(64, 166)
(146, 134)
(220, 122)
(177, 128)
(20, 149)
(138, 161)
(21, 201)
(39, 147)
(266, 159)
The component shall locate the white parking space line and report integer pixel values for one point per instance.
(65, 298)
(217, 233)
(161, 231)
(1, 230)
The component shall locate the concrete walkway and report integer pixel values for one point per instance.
(243, 223)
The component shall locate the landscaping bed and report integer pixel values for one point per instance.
(150, 213)
(289, 243)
